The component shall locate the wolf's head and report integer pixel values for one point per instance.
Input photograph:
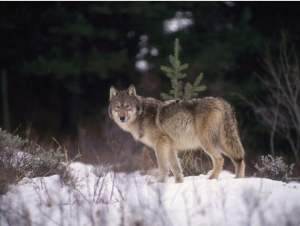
(124, 106)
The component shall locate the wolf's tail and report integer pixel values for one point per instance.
(231, 137)
(230, 141)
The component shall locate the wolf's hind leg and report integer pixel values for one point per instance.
(217, 166)
(216, 158)
(175, 166)
(239, 168)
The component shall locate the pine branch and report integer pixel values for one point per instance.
(175, 73)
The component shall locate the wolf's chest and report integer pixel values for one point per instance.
(143, 136)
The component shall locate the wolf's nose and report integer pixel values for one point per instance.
(122, 118)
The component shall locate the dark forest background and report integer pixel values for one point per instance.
(58, 60)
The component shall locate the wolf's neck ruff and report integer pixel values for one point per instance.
(170, 126)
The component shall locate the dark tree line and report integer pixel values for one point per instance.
(60, 58)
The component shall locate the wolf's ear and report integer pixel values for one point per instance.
(113, 92)
(131, 90)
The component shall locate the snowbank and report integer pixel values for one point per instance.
(100, 197)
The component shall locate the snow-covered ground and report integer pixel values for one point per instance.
(101, 197)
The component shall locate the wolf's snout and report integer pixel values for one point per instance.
(122, 118)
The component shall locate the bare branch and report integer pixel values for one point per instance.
(279, 111)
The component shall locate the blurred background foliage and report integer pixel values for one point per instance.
(60, 58)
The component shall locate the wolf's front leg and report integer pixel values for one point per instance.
(175, 166)
(163, 166)
(162, 156)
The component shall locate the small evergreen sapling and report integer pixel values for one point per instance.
(175, 74)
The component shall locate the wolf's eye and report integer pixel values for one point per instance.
(117, 107)
(127, 106)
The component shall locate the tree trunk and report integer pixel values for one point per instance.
(4, 85)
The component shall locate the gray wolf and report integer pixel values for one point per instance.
(177, 125)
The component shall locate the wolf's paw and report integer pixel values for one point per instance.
(179, 178)
(162, 178)
(211, 175)
(151, 180)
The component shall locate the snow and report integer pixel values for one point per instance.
(98, 196)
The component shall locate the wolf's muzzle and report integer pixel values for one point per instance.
(122, 118)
